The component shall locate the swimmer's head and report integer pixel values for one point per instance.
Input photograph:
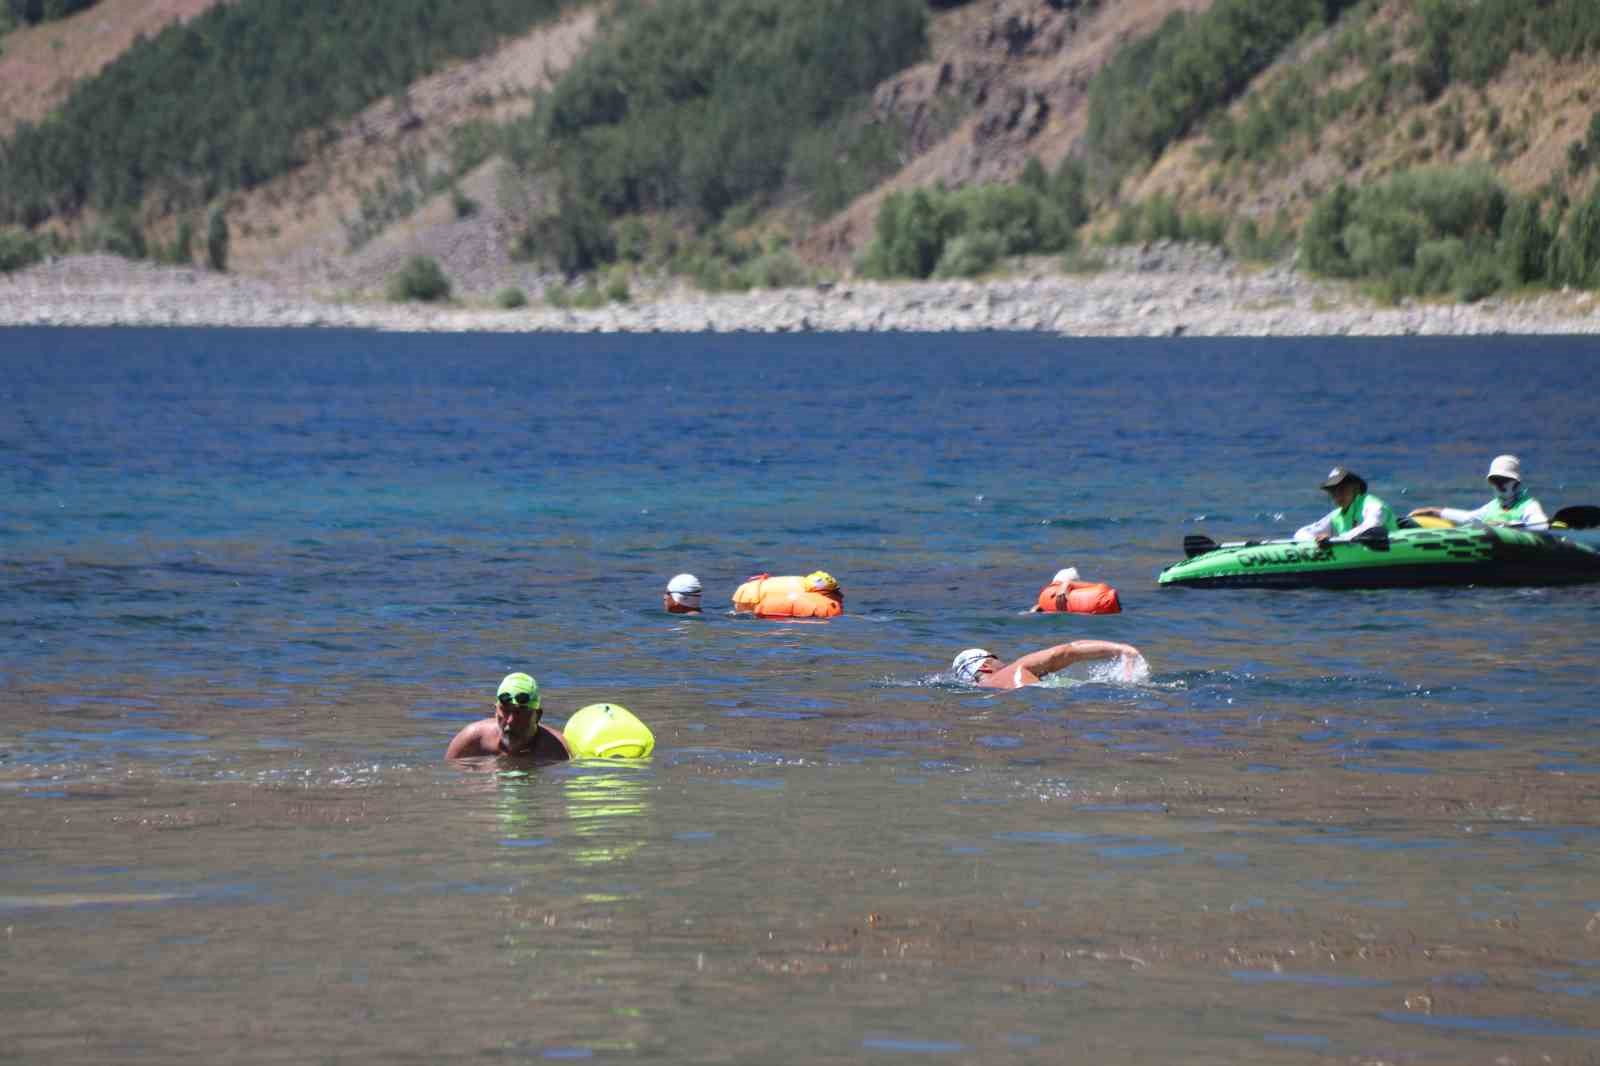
(821, 581)
(1065, 575)
(969, 664)
(517, 710)
(682, 595)
(517, 691)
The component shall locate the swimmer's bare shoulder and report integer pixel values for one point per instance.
(480, 738)
(549, 744)
(1011, 675)
(483, 738)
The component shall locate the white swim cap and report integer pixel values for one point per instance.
(966, 664)
(1505, 466)
(685, 584)
(1063, 576)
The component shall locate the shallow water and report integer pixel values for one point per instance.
(252, 582)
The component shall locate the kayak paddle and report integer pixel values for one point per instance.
(1376, 538)
(1581, 516)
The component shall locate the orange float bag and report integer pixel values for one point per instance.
(1080, 597)
(786, 597)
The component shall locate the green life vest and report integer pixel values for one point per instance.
(1500, 514)
(1350, 517)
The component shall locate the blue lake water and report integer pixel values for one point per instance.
(252, 582)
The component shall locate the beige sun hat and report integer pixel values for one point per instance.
(1505, 466)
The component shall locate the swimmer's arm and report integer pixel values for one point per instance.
(1049, 660)
(470, 741)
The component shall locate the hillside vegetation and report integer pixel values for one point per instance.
(228, 100)
(31, 12)
(1420, 146)
(1421, 143)
(692, 108)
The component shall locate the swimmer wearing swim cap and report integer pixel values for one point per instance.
(682, 595)
(514, 730)
(981, 667)
(821, 581)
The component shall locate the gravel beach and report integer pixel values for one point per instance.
(1153, 291)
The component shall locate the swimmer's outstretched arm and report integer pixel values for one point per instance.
(1049, 660)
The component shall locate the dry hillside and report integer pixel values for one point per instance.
(1018, 73)
(1006, 80)
(40, 64)
(294, 228)
(1521, 124)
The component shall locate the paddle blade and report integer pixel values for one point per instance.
(1197, 544)
(1428, 521)
(1583, 516)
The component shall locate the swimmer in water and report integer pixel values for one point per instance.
(983, 668)
(514, 730)
(682, 595)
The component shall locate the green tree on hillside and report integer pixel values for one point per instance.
(1156, 89)
(217, 240)
(695, 106)
(33, 11)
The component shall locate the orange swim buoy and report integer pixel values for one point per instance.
(1079, 597)
(816, 595)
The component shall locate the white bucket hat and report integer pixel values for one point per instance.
(1505, 466)
(966, 664)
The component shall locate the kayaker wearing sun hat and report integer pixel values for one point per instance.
(682, 595)
(514, 729)
(981, 667)
(1512, 503)
(1354, 512)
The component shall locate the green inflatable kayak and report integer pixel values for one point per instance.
(1475, 555)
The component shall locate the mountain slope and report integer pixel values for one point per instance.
(1018, 71)
(40, 64)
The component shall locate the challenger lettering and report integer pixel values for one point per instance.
(1311, 553)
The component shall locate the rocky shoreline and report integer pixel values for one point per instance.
(1154, 291)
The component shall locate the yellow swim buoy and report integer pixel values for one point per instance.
(607, 731)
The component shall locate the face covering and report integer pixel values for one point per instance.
(1508, 493)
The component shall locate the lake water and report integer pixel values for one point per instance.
(252, 582)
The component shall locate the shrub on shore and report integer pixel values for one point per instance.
(917, 230)
(1458, 231)
(217, 240)
(19, 249)
(421, 279)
